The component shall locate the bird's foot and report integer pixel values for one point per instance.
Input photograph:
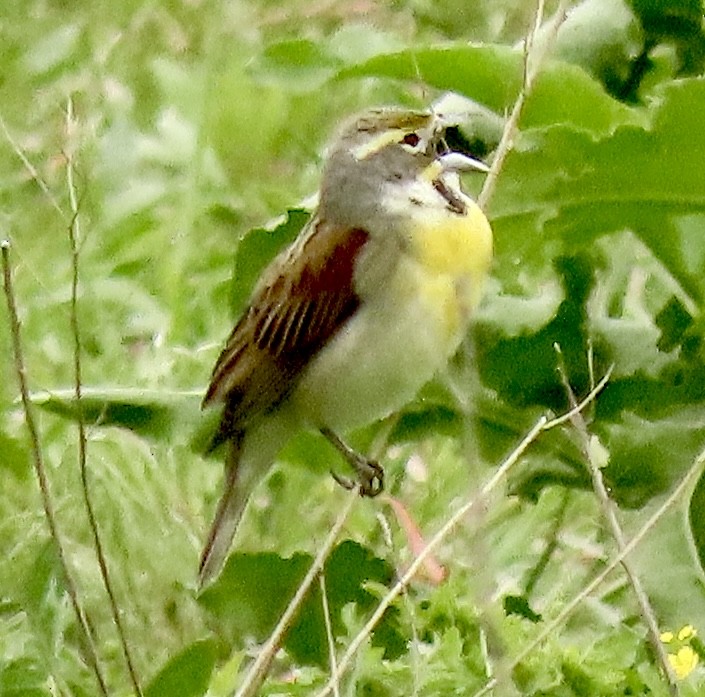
(370, 474)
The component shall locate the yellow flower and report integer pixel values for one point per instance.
(687, 632)
(683, 662)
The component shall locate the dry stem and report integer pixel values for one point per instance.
(543, 424)
(259, 669)
(40, 471)
(74, 232)
(550, 629)
(610, 515)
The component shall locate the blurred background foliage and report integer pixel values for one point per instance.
(196, 123)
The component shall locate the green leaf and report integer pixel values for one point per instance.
(157, 414)
(473, 71)
(647, 458)
(423, 420)
(15, 459)
(519, 605)
(355, 42)
(22, 677)
(253, 591)
(186, 674)
(673, 321)
(258, 248)
(677, 21)
(523, 369)
(696, 518)
(666, 561)
(603, 37)
(567, 185)
(348, 571)
(577, 679)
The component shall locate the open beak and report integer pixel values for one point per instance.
(459, 162)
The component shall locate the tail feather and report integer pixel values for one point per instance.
(247, 460)
(227, 517)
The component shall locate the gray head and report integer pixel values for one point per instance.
(377, 150)
(373, 149)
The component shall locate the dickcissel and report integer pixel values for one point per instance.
(350, 321)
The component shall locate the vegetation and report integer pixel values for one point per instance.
(163, 138)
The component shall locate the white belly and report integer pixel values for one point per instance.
(386, 352)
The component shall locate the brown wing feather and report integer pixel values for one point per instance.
(304, 298)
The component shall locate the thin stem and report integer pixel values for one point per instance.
(401, 584)
(32, 170)
(74, 232)
(259, 669)
(533, 60)
(550, 629)
(609, 513)
(40, 471)
(329, 633)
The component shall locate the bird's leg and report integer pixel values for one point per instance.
(370, 474)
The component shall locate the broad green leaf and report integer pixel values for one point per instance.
(673, 321)
(667, 564)
(356, 42)
(253, 590)
(186, 674)
(22, 678)
(42, 590)
(677, 21)
(15, 456)
(563, 183)
(603, 37)
(492, 75)
(150, 413)
(648, 458)
(522, 369)
(258, 248)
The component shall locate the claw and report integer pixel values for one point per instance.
(371, 477)
(370, 474)
(345, 482)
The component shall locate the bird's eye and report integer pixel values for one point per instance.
(411, 139)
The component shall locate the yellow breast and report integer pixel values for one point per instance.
(416, 297)
(455, 248)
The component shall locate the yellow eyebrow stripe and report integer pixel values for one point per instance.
(376, 144)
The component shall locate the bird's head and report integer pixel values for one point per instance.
(382, 151)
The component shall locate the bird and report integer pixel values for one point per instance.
(365, 306)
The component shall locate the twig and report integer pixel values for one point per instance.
(568, 416)
(401, 584)
(40, 471)
(74, 232)
(259, 669)
(415, 657)
(32, 170)
(543, 424)
(610, 515)
(532, 63)
(690, 478)
(329, 633)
